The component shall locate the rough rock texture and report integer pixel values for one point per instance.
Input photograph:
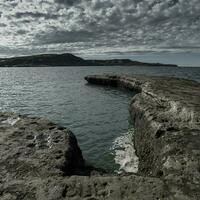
(86, 188)
(166, 118)
(33, 149)
(42, 161)
(36, 147)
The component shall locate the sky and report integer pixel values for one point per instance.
(145, 30)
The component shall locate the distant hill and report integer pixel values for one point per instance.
(44, 60)
(68, 60)
(125, 62)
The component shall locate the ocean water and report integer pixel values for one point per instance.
(98, 116)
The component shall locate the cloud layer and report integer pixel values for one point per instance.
(98, 26)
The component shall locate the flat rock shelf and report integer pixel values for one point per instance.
(42, 161)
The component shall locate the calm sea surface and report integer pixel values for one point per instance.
(96, 115)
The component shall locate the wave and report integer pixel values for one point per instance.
(124, 152)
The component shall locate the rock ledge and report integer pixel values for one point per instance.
(166, 119)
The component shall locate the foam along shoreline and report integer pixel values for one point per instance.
(166, 116)
(124, 153)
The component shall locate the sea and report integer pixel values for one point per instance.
(97, 115)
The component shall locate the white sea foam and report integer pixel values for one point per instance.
(124, 152)
(11, 121)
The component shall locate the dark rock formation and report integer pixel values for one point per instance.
(38, 159)
(166, 116)
(68, 60)
(33, 147)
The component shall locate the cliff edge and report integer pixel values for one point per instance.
(166, 117)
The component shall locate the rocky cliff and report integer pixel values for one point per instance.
(166, 116)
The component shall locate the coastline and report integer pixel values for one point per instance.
(166, 119)
(166, 115)
(67, 59)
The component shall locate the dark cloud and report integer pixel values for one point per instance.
(68, 2)
(56, 37)
(173, 3)
(2, 25)
(35, 15)
(21, 32)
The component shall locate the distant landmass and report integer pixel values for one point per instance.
(68, 59)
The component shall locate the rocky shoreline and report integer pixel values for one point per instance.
(42, 161)
(166, 116)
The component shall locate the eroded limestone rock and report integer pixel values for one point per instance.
(41, 161)
(166, 119)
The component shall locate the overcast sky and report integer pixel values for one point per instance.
(102, 28)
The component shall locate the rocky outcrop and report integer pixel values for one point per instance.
(32, 150)
(33, 147)
(166, 119)
(42, 161)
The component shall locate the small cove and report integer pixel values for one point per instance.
(97, 115)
